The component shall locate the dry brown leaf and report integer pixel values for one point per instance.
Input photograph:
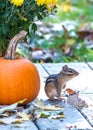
(70, 91)
(75, 101)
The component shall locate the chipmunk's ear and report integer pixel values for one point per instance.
(65, 68)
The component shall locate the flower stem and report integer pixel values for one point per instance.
(29, 9)
(11, 14)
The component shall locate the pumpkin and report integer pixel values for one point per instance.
(19, 78)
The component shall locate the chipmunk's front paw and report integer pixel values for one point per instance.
(61, 99)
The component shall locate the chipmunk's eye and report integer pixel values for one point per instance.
(71, 71)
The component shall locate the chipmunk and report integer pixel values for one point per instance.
(55, 83)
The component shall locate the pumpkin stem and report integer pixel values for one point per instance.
(11, 50)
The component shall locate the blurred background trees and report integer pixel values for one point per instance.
(64, 36)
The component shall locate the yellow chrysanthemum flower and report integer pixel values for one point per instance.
(48, 8)
(51, 2)
(17, 2)
(47, 2)
(40, 2)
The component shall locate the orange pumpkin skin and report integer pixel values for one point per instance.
(19, 79)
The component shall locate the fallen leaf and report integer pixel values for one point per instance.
(8, 113)
(17, 121)
(11, 107)
(70, 91)
(10, 120)
(23, 116)
(58, 115)
(3, 115)
(51, 108)
(74, 100)
(49, 114)
(44, 115)
(21, 101)
(39, 104)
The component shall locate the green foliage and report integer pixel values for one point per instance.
(15, 18)
(18, 18)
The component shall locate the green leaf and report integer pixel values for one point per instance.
(44, 115)
(34, 27)
(5, 28)
(6, 14)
